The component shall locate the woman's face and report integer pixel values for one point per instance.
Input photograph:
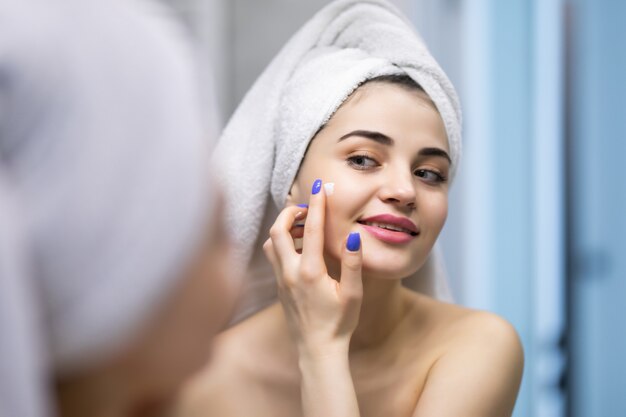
(386, 151)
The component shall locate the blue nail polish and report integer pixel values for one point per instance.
(303, 205)
(317, 186)
(354, 242)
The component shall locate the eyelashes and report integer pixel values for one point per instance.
(430, 176)
(364, 162)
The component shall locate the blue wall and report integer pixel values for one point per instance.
(598, 184)
(514, 202)
(512, 183)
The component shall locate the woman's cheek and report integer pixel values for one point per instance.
(337, 223)
(434, 211)
(332, 230)
(442, 212)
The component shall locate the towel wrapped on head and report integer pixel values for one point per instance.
(345, 44)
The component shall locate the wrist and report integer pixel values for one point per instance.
(326, 352)
(320, 349)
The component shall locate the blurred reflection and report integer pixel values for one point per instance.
(113, 258)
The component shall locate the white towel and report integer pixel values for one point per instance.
(23, 390)
(344, 44)
(104, 182)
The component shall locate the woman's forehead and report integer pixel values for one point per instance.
(392, 110)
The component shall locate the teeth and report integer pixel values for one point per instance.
(388, 227)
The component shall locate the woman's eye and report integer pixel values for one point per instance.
(362, 162)
(430, 176)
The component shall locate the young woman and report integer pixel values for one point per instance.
(346, 338)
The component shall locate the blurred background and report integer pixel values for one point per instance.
(536, 231)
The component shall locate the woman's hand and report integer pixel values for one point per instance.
(321, 312)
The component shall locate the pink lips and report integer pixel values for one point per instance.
(390, 228)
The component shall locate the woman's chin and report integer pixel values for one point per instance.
(387, 275)
(381, 262)
(388, 269)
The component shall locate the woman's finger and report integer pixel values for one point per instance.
(281, 239)
(297, 231)
(313, 244)
(268, 249)
(351, 284)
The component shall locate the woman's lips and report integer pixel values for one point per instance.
(390, 228)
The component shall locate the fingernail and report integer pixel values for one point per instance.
(354, 242)
(329, 188)
(317, 186)
(303, 205)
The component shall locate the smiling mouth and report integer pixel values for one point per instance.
(386, 226)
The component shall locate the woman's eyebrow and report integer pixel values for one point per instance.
(386, 140)
(434, 152)
(375, 136)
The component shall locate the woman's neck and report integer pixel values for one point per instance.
(383, 308)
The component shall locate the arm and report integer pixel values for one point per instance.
(321, 313)
(479, 376)
(326, 385)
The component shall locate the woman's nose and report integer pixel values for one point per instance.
(399, 188)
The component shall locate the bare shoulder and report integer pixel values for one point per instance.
(457, 326)
(232, 373)
(469, 326)
(489, 342)
(481, 361)
(484, 327)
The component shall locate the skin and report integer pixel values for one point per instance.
(144, 378)
(346, 338)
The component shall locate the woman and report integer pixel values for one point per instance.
(112, 254)
(365, 130)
